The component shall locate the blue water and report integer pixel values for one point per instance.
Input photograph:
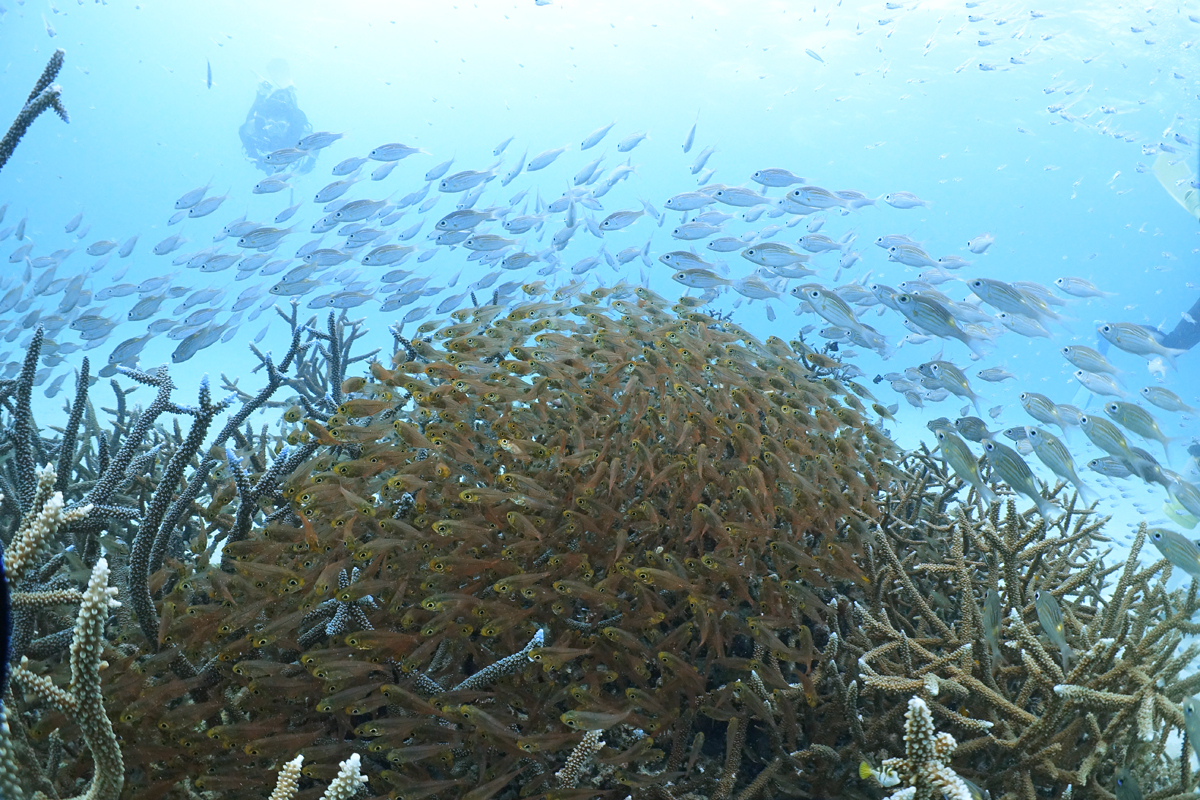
(896, 101)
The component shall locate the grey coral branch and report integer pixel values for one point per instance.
(46, 94)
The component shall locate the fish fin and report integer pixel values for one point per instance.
(1086, 493)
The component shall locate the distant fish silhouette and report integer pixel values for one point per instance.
(209, 63)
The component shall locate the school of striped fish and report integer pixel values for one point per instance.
(364, 234)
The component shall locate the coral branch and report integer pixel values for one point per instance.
(46, 94)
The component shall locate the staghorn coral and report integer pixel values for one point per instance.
(1024, 726)
(139, 487)
(45, 95)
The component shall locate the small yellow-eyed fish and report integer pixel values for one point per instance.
(1138, 339)
(1138, 420)
(1099, 384)
(1088, 359)
(1191, 722)
(1127, 787)
(973, 429)
(1050, 618)
(995, 374)
(1177, 548)
(993, 615)
(962, 461)
(1078, 287)
(1013, 470)
(1054, 454)
(1167, 400)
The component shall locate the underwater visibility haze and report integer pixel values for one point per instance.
(562, 399)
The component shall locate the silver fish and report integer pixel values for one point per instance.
(1177, 548)
(544, 158)
(393, 151)
(1138, 420)
(1088, 359)
(994, 374)
(963, 462)
(1137, 339)
(776, 177)
(1049, 615)
(1078, 287)
(1167, 400)
(1054, 454)
(1013, 470)
(1099, 384)
(593, 138)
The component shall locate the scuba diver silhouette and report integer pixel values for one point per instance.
(275, 121)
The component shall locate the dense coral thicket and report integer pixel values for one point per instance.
(543, 521)
(592, 547)
(952, 613)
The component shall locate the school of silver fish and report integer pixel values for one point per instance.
(760, 241)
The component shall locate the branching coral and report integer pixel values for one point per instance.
(923, 767)
(83, 701)
(45, 95)
(144, 488)
(596, 546)
(1026, 726)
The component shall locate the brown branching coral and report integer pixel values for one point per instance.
(1024, 726)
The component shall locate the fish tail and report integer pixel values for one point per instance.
(986, 493)
(1086, 493)
(1047, 509)
(1169, 353)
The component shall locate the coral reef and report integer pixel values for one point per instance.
(119, 492)
(46, 94)
(601, 546)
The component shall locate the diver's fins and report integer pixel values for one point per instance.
(1175, 179)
